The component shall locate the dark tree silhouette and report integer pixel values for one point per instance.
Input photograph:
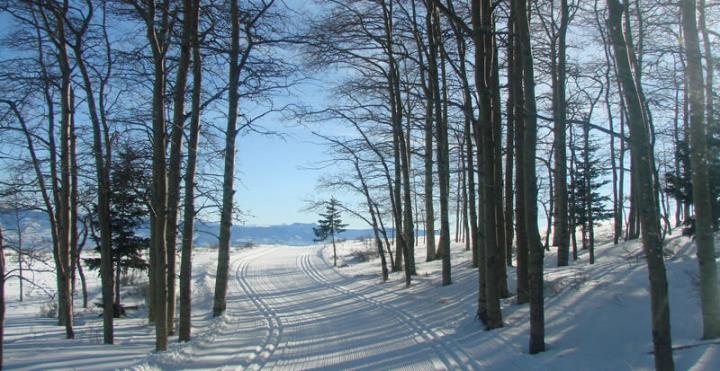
(127, 211)
(330, 225)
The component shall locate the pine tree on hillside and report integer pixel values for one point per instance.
(330, 225)
(589, 205)
(679, 184)
(128, 187)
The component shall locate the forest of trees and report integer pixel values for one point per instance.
(526, 120)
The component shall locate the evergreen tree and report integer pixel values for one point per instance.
(589, 205)
(128, 187)
(330, 225)
(678, 183)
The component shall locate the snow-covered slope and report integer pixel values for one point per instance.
(288, 308)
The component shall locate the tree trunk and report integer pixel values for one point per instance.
(383, 231)
(711, 120)
(116, 301)
(642, 154)
(159, 197)
(2, 296)
(497, 192)
(516, 92)
(184, 324)
(221, 280)
(485, 67)
(441, 133)
(174, 170)
(65, 300)
(429, 201)
(103, 160)
(702, 197)
(535, 250)
(510, 141)
(560, 126)
(616, 168)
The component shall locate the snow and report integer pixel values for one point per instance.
(288, 308)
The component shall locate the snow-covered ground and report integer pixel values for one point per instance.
(288, 308)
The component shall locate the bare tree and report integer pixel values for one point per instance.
(709, 294)
(529, 187)
(642, 163)
(157, 18)
(192, 9)
(95, 100)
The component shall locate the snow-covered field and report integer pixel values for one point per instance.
(288, 308)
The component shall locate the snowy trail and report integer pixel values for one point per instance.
(315, 322)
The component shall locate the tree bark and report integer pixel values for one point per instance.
(101, 154)
(157, 39)
(559, 73)
(184, 325)
(642, 154)
(2, 296)
(63, 262)
(221, 280)
(702, 197)
(529, 190)
(441, 133)
(174, 170)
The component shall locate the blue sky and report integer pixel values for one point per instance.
(274, 179)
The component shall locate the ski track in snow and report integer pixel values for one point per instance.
(288, 308)
(306, 313)
(451, 359)
(272, 320)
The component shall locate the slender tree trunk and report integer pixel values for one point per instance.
(535, 266)
(702, 197)
(573, 196)
(676, 145)
(711, 120)
(221, 281)
(489, 305)
(516, 91)
(65, 306)
(441, 133)
(510, 140)
(588, 196)
(374, 219)
(617, 191)
(497, 192)
(74, 202)
(560, 126)
(184, 324)
(2, 296)
(116, 303)
(383, 231)
(404, 220)
(20, 252)
(464, 192)
(642, 154)
(174, 170)
(468, 143)
(159, 197)
(102, 171)
(429, 200)
(397, 215)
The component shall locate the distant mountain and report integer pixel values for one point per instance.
(297, 234)
(36, 224)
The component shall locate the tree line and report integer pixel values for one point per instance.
(584, 109)
(589, 110)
